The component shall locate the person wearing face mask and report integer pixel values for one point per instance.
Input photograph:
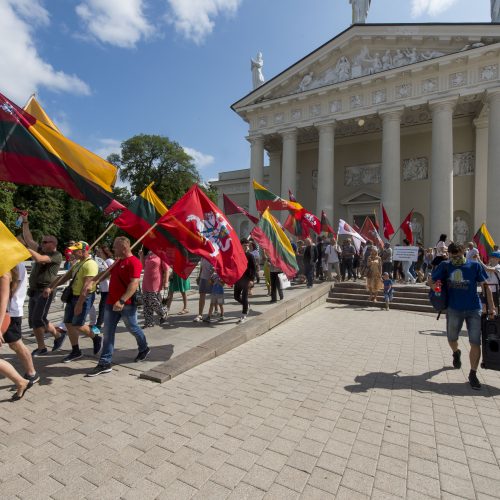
(461, 279)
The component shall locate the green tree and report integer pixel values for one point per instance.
(147, 158)
(7, 214)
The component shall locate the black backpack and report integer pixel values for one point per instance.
(439, 301)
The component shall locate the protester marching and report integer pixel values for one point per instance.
(195, 232)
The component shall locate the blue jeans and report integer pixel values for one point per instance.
(111, 319)
(455, 319)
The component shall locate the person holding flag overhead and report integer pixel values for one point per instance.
(47, 262)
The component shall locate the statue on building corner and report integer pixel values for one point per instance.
(359, 10)
(495, 11)
(256, 66)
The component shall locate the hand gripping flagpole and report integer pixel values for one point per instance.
(61, 279)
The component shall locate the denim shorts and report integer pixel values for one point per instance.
(69, 314)
(455, 319)
(205, 286)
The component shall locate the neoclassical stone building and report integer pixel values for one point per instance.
(403, 114)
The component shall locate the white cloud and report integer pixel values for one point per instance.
(201, 160)
(24, 69)
(107, 147)
(430, 7)
(194, 18)
(117, 22)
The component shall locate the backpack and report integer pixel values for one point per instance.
(439, 301)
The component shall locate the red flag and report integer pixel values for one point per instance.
(356, 227)
(370, 232)
(375, 221)
(230, 208)
(388, 229)
(325, 224)
(201, 227)
(406, 227)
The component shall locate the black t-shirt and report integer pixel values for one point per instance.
(42, 275)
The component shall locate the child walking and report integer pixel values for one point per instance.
(388, 290)
(216, 298)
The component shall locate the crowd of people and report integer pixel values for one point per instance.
(117, 274)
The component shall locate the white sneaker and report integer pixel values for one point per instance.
(242, 320)
(198, 319)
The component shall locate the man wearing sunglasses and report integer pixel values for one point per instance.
(46, 264)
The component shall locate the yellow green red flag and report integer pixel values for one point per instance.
(11, 250)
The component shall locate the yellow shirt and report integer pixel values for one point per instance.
(88, 268)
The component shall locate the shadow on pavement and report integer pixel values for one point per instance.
(439, 333)
(420, 383)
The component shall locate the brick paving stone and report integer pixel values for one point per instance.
(287, 415)
(246, 491)
(260, 477)
(357, 481)
(78, 488)
(292, 478)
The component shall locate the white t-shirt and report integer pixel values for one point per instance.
(494, 279)
(104, 284)
(16, 304)
(332, 254)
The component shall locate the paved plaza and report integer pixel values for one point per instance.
(335, 403)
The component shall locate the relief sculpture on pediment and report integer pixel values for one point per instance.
(365, 64)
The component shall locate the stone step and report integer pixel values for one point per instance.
(398, 299)
(399, 306)
(361, 285)
(397, 292)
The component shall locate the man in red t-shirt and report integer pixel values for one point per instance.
(120, 304)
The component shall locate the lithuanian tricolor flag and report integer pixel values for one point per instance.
(275, 242)
(265, 199)
(484, 242)
(11, 250)
(142, 213)
(33, 152)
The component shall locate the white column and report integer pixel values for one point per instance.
(492, 204)
(288, 167)
(325, 193)
(441, 206)
(256, 168)
(391, 165)
(275, 171)
(289, 163)
(481, 171)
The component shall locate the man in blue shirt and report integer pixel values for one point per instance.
(461, 279)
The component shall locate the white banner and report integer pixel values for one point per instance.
(402, 253)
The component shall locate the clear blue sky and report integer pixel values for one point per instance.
(106, 70)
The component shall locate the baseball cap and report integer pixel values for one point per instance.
(496, 255)
(80, 245)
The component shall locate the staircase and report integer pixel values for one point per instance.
(406, 297)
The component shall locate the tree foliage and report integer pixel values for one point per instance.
(153, 158)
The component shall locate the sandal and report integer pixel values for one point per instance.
(17, 397)
(184, 311)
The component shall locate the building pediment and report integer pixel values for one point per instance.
(361, 197)
(364, 50)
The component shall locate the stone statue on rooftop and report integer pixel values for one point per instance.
(495, 11)
(360, 10)
(257, 76)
